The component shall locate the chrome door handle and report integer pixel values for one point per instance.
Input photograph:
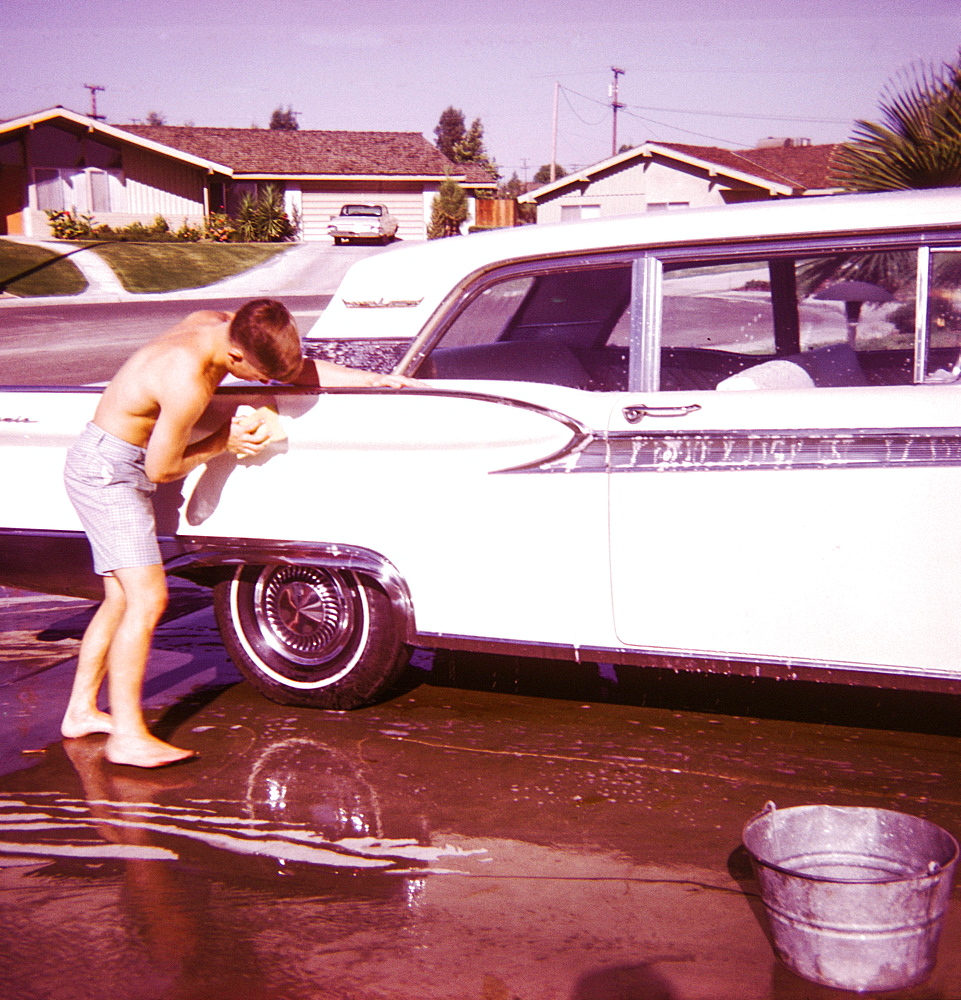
(634, 414)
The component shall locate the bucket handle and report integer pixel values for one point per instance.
(934, 867)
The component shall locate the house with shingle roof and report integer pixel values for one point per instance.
(60, 159)
(658, 176)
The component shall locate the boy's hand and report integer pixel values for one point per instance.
(249, 435)
(396, 382)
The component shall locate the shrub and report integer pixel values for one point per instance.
(260, 220)
(218, 228)
(135, 231)
(188, 233)
(69, 225)
(263, 219)
(448, 210)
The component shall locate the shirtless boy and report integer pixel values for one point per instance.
(141, 436)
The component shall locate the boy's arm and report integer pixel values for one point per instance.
(325, 373)
(171, 456)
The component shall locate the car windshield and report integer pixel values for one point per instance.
(361, 210)
(568, 327)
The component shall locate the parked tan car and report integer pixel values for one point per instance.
(363, 222)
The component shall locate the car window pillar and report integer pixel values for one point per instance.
(921, 314)
(784, 304)
(647, 278)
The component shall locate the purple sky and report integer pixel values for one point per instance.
(713, 72)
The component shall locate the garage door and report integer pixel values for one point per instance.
(404, 202)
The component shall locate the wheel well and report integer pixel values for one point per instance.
(208, 565)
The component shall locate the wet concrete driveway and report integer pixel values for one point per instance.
(498, 830)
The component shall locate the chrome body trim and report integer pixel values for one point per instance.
(647, 292)
(921, 313)
(581, 435)
(817, 671)
(766, 450)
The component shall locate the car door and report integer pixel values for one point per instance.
(810, 518)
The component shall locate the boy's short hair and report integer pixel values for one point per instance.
(267, 334)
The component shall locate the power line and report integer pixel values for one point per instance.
(712, 114)
(686, 131)
(736, 114)
(565, 92)
(627, 110)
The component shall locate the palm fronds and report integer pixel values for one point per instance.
(918, 142)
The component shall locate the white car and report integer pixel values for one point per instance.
(724, 439)
(362, 222)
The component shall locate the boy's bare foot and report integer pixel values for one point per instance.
(144, 751)
(76, 724)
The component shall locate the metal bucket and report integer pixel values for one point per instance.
(854, 896)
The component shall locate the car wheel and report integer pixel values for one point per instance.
(337, 241)
(306, 635)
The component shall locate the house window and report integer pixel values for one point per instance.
(99, 191)
(574, 213)
(50, 193)
(666, 206)
(59, 189)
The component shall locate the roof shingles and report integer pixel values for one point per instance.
(277, 152)
(805, 168)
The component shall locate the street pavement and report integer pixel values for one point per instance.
(314, 268)
(496, 829)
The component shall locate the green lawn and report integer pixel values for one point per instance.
(141, 267)
(61, 278)
(166, 267)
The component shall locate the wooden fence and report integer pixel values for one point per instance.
(494, 212)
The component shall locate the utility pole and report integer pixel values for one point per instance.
(557, 87)
(615, 105)
(93, 88)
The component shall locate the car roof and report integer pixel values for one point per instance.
(407, 283)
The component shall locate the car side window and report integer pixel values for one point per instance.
(564, 326)
(778, 321)
(943, 360)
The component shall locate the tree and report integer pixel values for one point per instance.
(448, 210)
(543, 175)
(156, 118)
(470, 149)
(449, 131)
(284, 120)
(514, 188)
(918, 142)
(460, 144)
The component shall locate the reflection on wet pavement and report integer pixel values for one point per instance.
(105, 825)
(476, 837)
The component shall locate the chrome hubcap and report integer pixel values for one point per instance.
(304, 612)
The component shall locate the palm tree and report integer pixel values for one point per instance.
(918, 143)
